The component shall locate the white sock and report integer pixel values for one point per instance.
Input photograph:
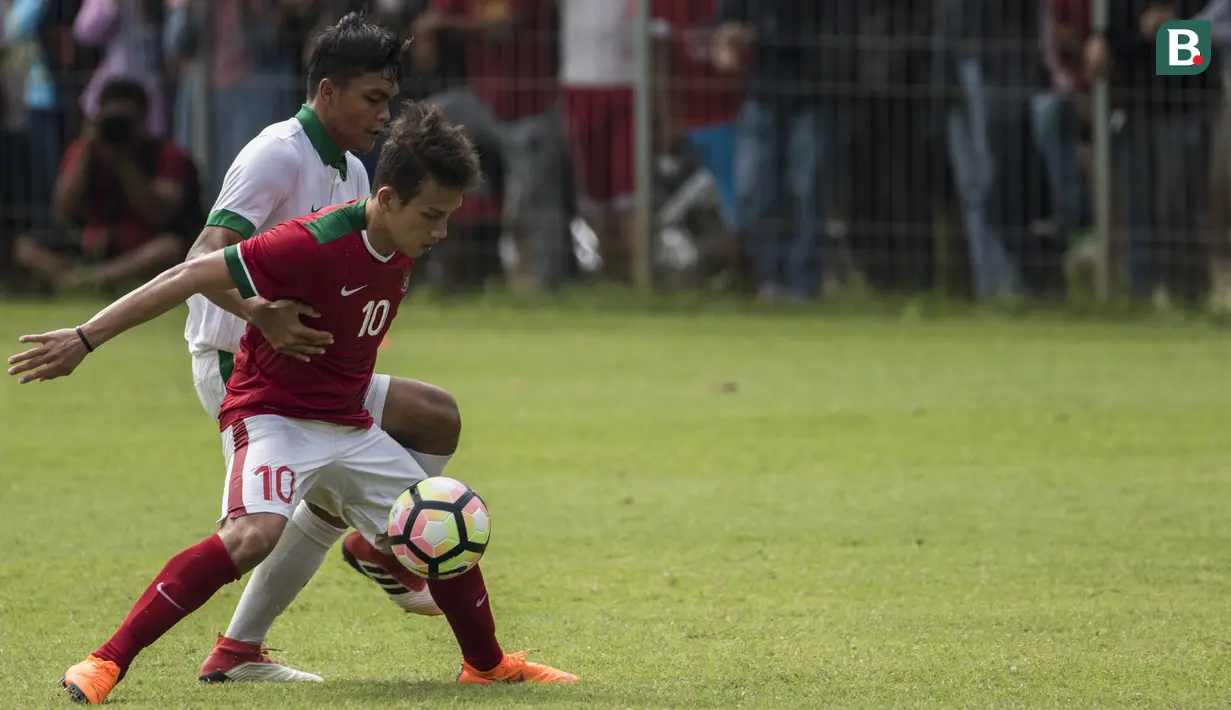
(277, 580)
(432, 464)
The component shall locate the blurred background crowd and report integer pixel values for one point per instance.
(785, 149)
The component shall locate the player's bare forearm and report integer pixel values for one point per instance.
(57, 353)
(166, 291)
(211, 240)
(231, 302)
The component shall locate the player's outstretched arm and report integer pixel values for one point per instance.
(214, 239)
(278, 321)
(58, 353)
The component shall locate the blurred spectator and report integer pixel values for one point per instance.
(891, 151)
(696, 108)
(786, 130)
(130, 30)
(134, 196)
(34, 31)
(991, 152)
(511, 102)
(1219, 221)
(251, 74)
(696, 102)
(1059, 112)
(597, 72)
(14, 162)
(791, 105)
(1164, 149)
(470, 256)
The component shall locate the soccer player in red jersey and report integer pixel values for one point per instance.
(295, 430)
(292, 168)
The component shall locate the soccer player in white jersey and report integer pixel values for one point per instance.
(291, 169)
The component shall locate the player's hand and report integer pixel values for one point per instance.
(279, 322)
(58, 353)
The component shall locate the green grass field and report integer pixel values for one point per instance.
(690, 510)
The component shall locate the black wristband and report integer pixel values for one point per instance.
(81, 334)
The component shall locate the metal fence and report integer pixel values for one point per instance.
(789, 149)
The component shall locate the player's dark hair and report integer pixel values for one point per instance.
(125, 89)
(421, 144)
(353, 47)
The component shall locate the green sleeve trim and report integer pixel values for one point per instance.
(226, 365)
(232, 221)
(239, 272)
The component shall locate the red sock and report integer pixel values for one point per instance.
(187, 581)
(464, 601)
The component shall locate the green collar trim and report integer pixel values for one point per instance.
(340, 222)
(330, 154)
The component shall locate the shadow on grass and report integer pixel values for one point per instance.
(385, 692)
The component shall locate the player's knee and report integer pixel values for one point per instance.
(250, 539)
(423, 417)
(446, 416)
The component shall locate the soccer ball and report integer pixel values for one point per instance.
(439, 528)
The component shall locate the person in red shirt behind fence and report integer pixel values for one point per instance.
(511, 100)
(133, 197)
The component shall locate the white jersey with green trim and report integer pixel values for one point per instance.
(291, 169)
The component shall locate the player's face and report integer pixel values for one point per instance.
(419, 224)
(360, 110)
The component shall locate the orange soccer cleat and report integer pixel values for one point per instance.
(515, 669)
(91, 681)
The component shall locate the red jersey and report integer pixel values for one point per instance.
(326, 261)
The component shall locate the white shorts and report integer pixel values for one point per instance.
(274, 462)
(207, 379)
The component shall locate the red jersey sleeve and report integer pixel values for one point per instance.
(276, 264)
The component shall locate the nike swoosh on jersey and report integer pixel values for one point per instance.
(347, 292)
(315, 208)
